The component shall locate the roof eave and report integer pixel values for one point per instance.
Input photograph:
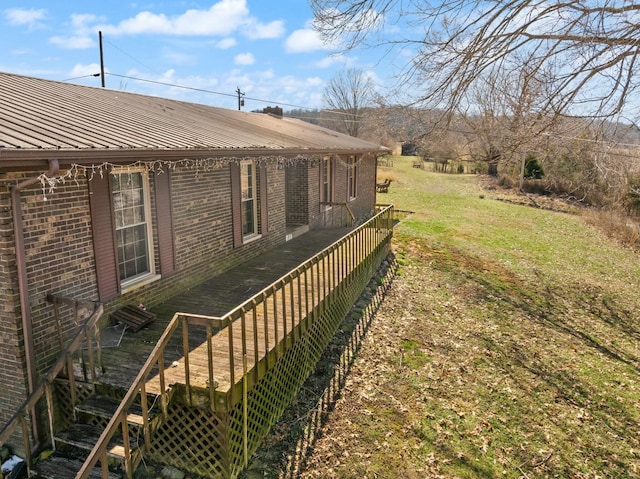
(39, 158)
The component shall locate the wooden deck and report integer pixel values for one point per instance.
(224, 358)
(214, 297)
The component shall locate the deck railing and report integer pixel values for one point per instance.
(335, 215)
(253, 337)
(86, 334)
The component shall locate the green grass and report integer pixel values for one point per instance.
(508, 346)
(531, 331)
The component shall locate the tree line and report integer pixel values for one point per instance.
(542, 94)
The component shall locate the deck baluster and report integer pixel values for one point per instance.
(146, 430)
(212, 384)
(128, 465)
(164, 399)
(265, 314)
(256, 348)
(275, 320)
(185, 347)
(50, 408)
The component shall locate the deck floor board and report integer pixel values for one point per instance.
(215, 297)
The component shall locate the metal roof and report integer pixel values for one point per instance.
(45, 115)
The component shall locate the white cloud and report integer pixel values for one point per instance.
(22, 16)
(222, 18)
(83, 34)
(226, 43)
(73, 43)
(178, 58)
(244, 59)
(260, 31)
(305, 40)
(330, 61)
(20, 51)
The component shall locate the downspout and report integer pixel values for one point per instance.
(23, 284)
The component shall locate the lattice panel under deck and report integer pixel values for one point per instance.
(269, 398)
(62, 399)
(212, 444)
(192, 439)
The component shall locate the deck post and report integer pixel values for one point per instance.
(245, 412)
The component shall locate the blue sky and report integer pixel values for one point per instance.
(266, 48)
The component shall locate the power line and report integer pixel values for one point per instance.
(83, 76)
(132, 57)
(234, 95)
(213, 92)
(202, 90)
(177, 85)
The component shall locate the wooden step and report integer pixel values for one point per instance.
(85, 437)
(61, 467)
(105, 407)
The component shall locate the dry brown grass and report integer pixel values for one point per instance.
(507, 346)
(616, 225)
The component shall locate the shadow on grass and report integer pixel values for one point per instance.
(285, 451)
(585, 341)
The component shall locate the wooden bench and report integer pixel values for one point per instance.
(383, 187)
(418, 164)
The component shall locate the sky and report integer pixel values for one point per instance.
(265, 48)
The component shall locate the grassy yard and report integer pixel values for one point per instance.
(508, 346)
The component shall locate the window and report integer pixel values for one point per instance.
(249, 210)
(121, 226)
(352, 177)
(249, 207)
(326, 181)
(130, 195)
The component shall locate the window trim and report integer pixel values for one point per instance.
(246, 237)
(352, 178)
(142, 278)
(327, 188)
(262, 204)
(107, 273)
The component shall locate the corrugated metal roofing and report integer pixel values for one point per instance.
(50, 115)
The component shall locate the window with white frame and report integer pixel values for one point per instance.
(352, 177)
(249, 205)
(131, 209)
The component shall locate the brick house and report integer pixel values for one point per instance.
(122, 198)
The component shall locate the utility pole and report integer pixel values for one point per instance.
(101, 59)
(240, 98)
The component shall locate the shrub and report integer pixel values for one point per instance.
(632, 196)
(532, 169)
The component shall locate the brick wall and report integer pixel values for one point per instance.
(313, 185)
(361, 205)
(12, 373)
(201, 207)
(296, 194)
(60, 257)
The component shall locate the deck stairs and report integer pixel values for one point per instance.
(73, 443)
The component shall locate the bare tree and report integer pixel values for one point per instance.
(587, 49)
(506, 121)
(347, 94)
